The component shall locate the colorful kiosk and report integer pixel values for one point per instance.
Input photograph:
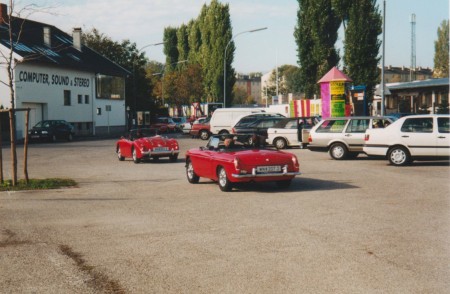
(333, 91)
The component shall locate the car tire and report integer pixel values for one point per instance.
(119, 154)
(70, 137)
(135, 158)
(399, 156)
(338, 151)
(190, 173)
(173, 158)
(283, 184)
(204, 135)
(53, 138)
(280, 143)
(224, 183)
(224, 132)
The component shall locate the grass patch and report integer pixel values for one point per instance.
(37, 184)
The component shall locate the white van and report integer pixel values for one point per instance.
(223, 118)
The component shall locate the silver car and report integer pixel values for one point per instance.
(343, 137)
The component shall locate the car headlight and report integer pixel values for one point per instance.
(44, 132)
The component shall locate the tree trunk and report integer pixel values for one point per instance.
(12, 129)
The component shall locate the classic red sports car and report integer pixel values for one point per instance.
(231, 160)
(142, 144)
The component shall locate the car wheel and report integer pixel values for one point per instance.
(135, 158)
(204, 135)
(224, 184)
(283, 184)
(70, 137)
(279, 143)
(338, 151)
(53, 138)
(190, 173)
(399, 156)
(119, 154)
(173, 158)
(224, 132)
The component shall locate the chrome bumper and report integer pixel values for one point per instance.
(274, 174)
(161, 153)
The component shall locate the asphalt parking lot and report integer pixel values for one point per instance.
(358, 226)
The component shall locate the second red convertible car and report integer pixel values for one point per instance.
(230, 160)
(143, 144)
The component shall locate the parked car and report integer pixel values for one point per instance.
(145, 143)
(343, 137)
(223, 119)
(239, 163)
(247, 119)
(51, 130)
(291, 132)
(180, 123)
(164, 124)
(258, 128)
(201, 129)
(411, 138)
(187, 126)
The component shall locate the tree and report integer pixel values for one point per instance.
(126, 54)
(362, 44)
(183, 42)
(216, 34)
(287, 81)
(441, 51)
(170, 47)
(315, 35)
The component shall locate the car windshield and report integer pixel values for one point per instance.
(234, 143)
(43, 124)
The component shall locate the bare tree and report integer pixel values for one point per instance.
(6, 59)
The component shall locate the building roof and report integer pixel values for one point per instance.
(419, 84)
(334, 75)
(28, 42)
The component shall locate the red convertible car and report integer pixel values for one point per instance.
(231, 160)
(142, 144)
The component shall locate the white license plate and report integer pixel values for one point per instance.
(268, 169)
(161, 149)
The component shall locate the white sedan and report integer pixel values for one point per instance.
(409, 138)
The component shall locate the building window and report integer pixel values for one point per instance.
(110, 87)
(86, 99)
(67, 98)
(80, 99)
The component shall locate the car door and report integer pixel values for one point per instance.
(354, 133)
(202, 160)
(417, 134)
(291, 131)
(443, 136)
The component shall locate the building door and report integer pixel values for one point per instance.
(36, 112)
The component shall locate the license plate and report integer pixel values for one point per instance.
(268, 169)
(161, 149)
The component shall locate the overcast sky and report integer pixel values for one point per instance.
(143, 22)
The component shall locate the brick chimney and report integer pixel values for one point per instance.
(47, 36)
(3, 13)
(76, 35)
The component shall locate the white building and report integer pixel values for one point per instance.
(57, 77)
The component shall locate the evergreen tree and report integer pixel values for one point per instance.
(362, 44)
(183, 43)
(315, 35)
(170, 48)
(441, 51)
(216, 32)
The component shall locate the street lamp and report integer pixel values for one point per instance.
(162, 77)
(134, 77)
(225, 61)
